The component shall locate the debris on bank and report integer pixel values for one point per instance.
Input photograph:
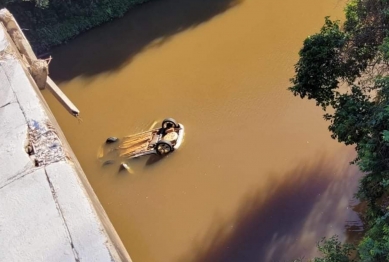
(46, 145)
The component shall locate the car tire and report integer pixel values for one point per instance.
(169, 122)
(163, 148)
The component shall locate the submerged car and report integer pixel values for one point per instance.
(161, 141)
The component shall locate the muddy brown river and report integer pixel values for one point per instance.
(258, 177)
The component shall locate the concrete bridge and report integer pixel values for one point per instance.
(48, 211)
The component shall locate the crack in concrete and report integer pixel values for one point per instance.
(75, 253)
(25, 171)
(9, 84)
(5, 105)
(16, 97)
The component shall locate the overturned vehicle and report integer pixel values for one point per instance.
(161, 141)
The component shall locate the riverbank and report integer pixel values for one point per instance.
(59, 21)
(48, 210)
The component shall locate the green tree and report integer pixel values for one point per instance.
(355, 57)
(347, 68)
(53, 22)
(375, 245)
(334, 251)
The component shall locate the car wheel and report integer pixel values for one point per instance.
(163, 148)
(168, 123)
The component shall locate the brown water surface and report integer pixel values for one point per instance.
(257, 178)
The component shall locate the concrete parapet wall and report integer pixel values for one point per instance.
(48, 211)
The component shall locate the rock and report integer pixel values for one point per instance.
(111, 139)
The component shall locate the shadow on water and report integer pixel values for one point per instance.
(153, 159)
(115, 44)
(282, 224)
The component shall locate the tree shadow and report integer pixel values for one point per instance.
(115, 44)
(282, 224)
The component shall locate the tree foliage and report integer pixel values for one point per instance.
(334, 251)
(375, 245)
(356, 56)
(346, 67)
(320, 65)
(48, 23)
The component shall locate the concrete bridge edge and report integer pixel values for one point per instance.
(117, 250)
